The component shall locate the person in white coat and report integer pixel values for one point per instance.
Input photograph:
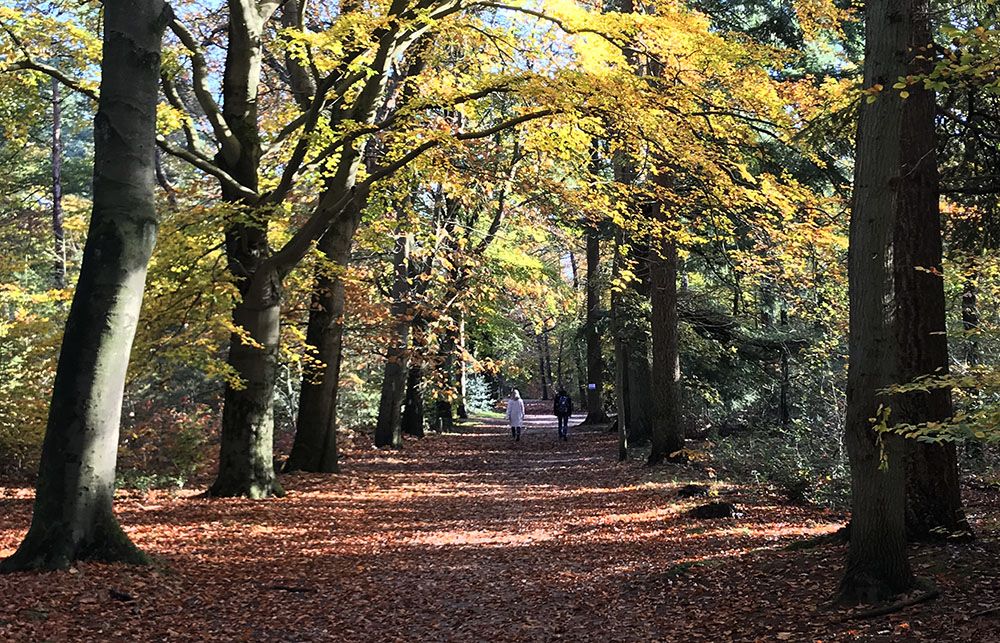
(515, 414)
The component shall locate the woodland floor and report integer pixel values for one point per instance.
(469, 537)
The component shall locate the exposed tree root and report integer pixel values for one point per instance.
(930, 592)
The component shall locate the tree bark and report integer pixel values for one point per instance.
(933, 494)
(621, 357)
(315, 445)
(443, 407)
(640, 390)
(413, 405)
(542, 367)
(246, 461)
(463, 368)
(970, 316)
(667, 432)
(877, 564)
(595, 362)
(58, 234)
(246, 465)
(388, 426)
(73, 517)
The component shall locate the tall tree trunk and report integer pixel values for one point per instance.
(246, 466)
(246, 455)
(547, 350)
(580, 373)
(315, 445)
(463, 368)
(595, 362)
(58, 235)
(413, 405)
(667, 431)
(444, 407)
(388, 426)
(784, 404)
(640, 390)
(542, 367)
(560, 349)
(877, 565)
(933, 494)
(73, 517)
(622, 396)
(970, 316)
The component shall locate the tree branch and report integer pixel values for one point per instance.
(206, 166)
(332, 205)
(28, 64)
(228, 142)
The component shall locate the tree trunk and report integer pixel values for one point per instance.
(246, 466)
(315, 446)
(595, 363)
(388, 426)
(560, 348)
(933, 494)
(73, 517)
(667, 431)
(784, 404)
(542, 370)
(621, 357)
(246, 460)
(413, 405)
(970, 316)
(58, 235)
(463, 369)
(443, 407)
(547, 351)
(877, 564)
(640, 391)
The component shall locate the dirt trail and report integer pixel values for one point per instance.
(459, 537)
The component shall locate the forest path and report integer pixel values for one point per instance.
(465, 536)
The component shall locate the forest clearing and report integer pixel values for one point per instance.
(465, 536)
(532, 320)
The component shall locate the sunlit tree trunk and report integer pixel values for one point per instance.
(73, 517)
(877, 564)
(58, 234)
(315, 445)
(463, 368)
(246, 465)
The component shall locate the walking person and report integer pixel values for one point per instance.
(515, 414)
(562, 407)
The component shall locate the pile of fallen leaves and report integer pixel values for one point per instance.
(469, 536)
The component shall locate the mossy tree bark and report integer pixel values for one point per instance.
(877, 564)
(73, 517)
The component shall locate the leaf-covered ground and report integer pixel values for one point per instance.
(470, 537)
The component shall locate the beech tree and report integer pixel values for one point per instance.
(877, 564)
(73, 517)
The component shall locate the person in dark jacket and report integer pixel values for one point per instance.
(562, 407)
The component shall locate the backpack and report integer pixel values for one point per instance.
(562, 405)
